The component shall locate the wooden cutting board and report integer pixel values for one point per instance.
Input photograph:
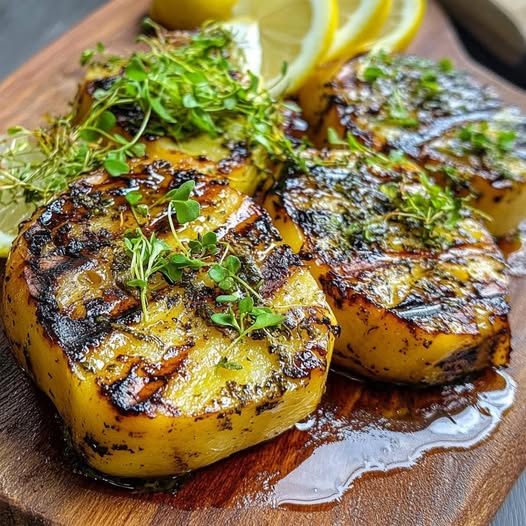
(37, 485)
(499, 24)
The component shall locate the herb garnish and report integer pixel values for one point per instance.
(429, 210)
(149, 256)
(481, 139)
(371, 157)
(176, 91)
(434, 209)
(224, 363)
(246, 317)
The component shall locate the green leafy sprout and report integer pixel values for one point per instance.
(176, 91)
(152, 255)
(431, 211)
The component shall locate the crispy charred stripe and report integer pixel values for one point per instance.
(465, 361)
(251, 227)
(239, 153)
(104, 83)
(174, 361)
(267, 406)
(305, 362)
(75, 336)
(411, 142)
(277, 268)
(433, 320)
(198, 297)
(36, 240)
(135, 394)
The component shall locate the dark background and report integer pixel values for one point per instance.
(28, 25)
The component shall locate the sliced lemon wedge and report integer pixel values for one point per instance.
(400, 28)
(297, 33)
(189, 14)
(358, 21)
(294, 33)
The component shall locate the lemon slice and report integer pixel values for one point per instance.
(189, 14)
(297, 33)
(13, 206)
(400, 27)
(11, 216)
(359, 21)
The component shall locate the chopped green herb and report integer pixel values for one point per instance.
(246, 318)
(224, 363)
(176, 91)
(372, 73)
(480, 138)
(147, 258)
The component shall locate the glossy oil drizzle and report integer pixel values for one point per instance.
(359, 428)
(383, 429)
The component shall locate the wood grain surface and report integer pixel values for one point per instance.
(463, 487)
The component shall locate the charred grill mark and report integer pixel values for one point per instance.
(254, 230)
(36, 240)
(267, 406)
(304, 362)
(95, 445)
(359, 102)
(104, 83)
(139, 393)
(277, 268)
(467, 360)
(239, 153)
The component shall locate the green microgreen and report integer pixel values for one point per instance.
(479, 138)
(139, 210)
(429, 211)
(371, 156)
(245, 317)
(224, 363)
(433, 210)
(226, 275)
(148, 256)
(175, 91)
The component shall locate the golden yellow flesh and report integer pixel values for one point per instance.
(497, 181)
(147, 399)
(407, 313)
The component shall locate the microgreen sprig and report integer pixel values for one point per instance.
(148, 256)
(432, 211)
(176, 91)
(244, 317)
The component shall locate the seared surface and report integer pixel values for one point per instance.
(152, 398)
(427, 109)
(410, 310)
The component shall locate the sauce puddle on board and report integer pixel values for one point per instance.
(388, 428)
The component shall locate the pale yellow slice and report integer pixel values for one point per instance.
(293, 33)
(359, 21)
(400, 28)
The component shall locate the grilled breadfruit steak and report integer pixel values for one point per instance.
(438, 116)
(230, 347)
(190, 95)
(416, 282)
